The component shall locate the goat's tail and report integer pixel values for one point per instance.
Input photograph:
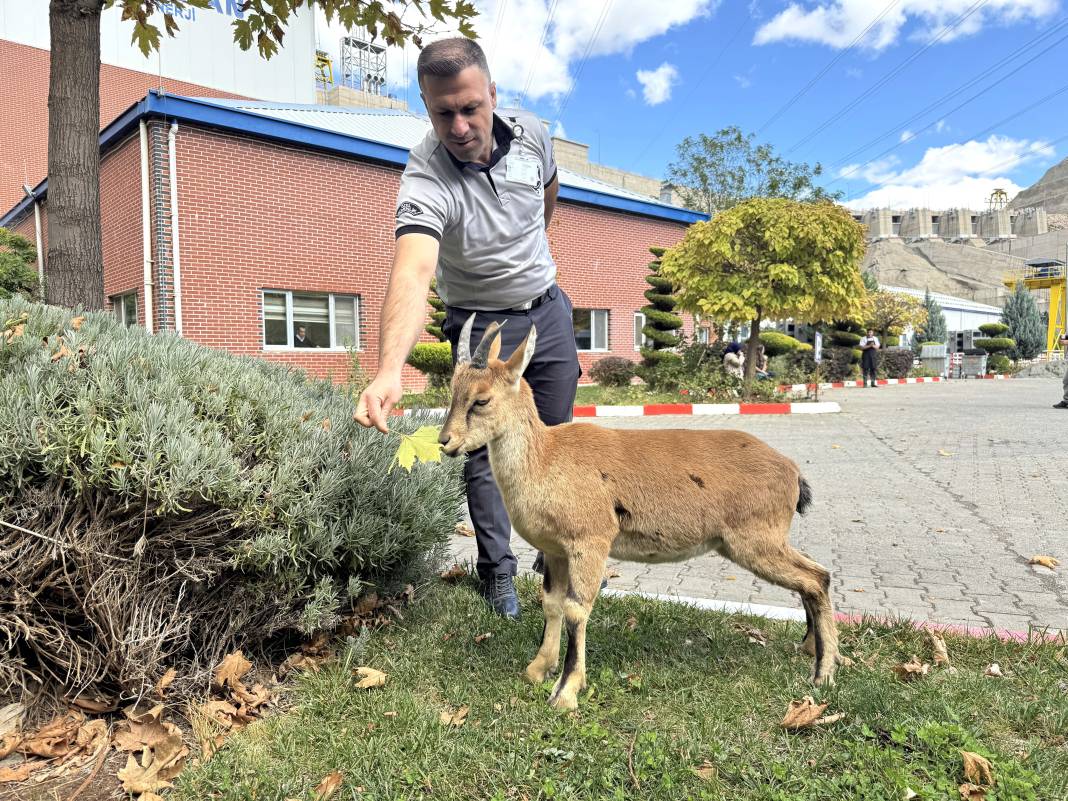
(804, 500)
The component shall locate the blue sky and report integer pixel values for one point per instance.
(658, 71)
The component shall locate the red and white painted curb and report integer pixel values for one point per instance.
(798, 615)
(882, 382)
(695, 409)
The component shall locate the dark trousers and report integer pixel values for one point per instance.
(868, 364)
(553, 376)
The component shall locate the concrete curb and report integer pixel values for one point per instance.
(695, 409)
(798, 615)
(884, 382)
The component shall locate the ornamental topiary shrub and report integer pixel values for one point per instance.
(18, 271)
(845, 338)
(995, 344)
(895, 362)
(999, 363)
(434, 360)
(174, 502)
(777, 343)
(437, 314)
(661, 324)
(612, 371)
(993, 329)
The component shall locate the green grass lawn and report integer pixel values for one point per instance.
(680, 705)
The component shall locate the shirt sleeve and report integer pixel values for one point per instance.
(423, 202)
(548, 161)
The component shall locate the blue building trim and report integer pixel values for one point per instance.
(221, 117)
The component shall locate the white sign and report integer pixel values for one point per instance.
(203, 51)
(817, 348)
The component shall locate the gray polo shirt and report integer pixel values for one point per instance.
(489, 220)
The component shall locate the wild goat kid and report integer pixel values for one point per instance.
(579, 494)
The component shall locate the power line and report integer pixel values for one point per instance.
(967, 85)
(537, 53)
(890, 75)
(695, 87)
(789, 103)
(585, 55)
(983, 132)
(501, 8)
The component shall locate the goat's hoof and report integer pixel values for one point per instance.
(844, 661)
(566, 701)
(536, 673)
(807, 646)
(826, 680)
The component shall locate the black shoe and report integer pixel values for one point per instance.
(1061, 405)
(539, 568)
(500, 594)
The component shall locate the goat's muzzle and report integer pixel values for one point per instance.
(450, 445)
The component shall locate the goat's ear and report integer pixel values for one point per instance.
(495, 344)
(518, 361)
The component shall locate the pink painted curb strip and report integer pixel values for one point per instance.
(694, 409)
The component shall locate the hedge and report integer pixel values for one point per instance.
(612, 371)
(845, 338)
(777, 343)
(434, 360)
(895, 362)
(994, 329)
(995, 344)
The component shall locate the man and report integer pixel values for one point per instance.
(474, 202)
(300, 339)
(1063, 342)
(868, 346)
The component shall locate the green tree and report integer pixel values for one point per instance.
(1025, 323)
(934, 326)
(892, 312)
(770, 258)
(75, 259)
(661, 323)
(18, 269)
(714, 173)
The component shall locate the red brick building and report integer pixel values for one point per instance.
(233, 222)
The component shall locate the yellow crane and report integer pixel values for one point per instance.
(1048, 274)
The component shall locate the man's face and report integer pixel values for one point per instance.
(461, 111)
(300, 332)
(871, 333)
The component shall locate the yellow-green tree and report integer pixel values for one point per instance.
(770, 258)
(890, 313)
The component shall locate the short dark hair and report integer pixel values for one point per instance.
(448, 57)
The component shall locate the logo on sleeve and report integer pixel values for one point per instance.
(407, 207)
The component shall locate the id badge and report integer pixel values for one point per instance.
(522, 170)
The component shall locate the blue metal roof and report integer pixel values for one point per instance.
(283, 122)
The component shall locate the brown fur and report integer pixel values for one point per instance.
(581, 493)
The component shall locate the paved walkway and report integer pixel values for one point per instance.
(928, 502)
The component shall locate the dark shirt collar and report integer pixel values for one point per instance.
(502, 137)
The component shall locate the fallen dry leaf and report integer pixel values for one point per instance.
(464, 530)
(328, 786)
(705, 771)
(94, 705)
(972, 792)
(21, 773)
(483, 637)
(941, 655)
(977, 769)
(150, 797)
(803, 713)
(390, 714)
(131, 736)
(11, 718)
(1046, 561)
(326, 424)
(632, 623)
(994, 670)
(453, 573)
(753, 633)
(165, 681)
(370, 677)
(156, 768)
(231, 669)
(911, 670)
(56, 738)
(827, 720)
(140, 713)
(76, 323)
(455, 718)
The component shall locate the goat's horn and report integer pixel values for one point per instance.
(463, 348)
(481, 357)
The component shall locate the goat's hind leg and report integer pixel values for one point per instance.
(584, 582)
(554, 587)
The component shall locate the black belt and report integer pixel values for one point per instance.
(533, 304)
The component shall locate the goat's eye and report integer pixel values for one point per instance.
(481, 402)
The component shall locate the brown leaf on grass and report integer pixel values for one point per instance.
(483, 637)
(706, 771)
(11, 333)
(454, 573)
(328, 786)
(464, 530)
(911, 670)
(252, 699)
(8, 743)
(230, 670)
(370, 677)
(165, 682)
(131, 736)
(390, 714)
(450, 717)
(753, 633)
(63, 351)
(994, 671)
(56, 738)
(141, 713)
(76, 323)
(326, 424)
(1046, 561)
(938, 645)
(156, 767)
(972, 792)
(802, 714)
(306, 416)
(632, 623)
(977, 769)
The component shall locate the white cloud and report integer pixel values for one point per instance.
(941, 126)
(837, 23)
(632, 94)
(906, 135)
(656, 84)
(961, 174)
(743, 81)
(510, 31)
(558, 130)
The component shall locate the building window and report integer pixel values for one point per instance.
(700, 329)
(304, 320)
(936, 222)
(975, 224)
(640, 339)
(591, 329)
(895, 224)
(124, 308)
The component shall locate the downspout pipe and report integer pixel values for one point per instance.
(146, 228)
(40, 239)
(176, 250)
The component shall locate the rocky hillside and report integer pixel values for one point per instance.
(963, 270)
(1050, 193)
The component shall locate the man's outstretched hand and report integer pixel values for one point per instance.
(377, 401)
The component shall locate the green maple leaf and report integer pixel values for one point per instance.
(422, 445)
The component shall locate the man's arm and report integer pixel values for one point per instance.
(403, 314)
(551, 191)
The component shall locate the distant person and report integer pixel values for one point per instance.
(1063, 342)
(868, 362)
(762, 362)
(734, 360)
(300, 339)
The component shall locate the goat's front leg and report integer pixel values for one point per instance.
(554, 591)
(585, 569)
